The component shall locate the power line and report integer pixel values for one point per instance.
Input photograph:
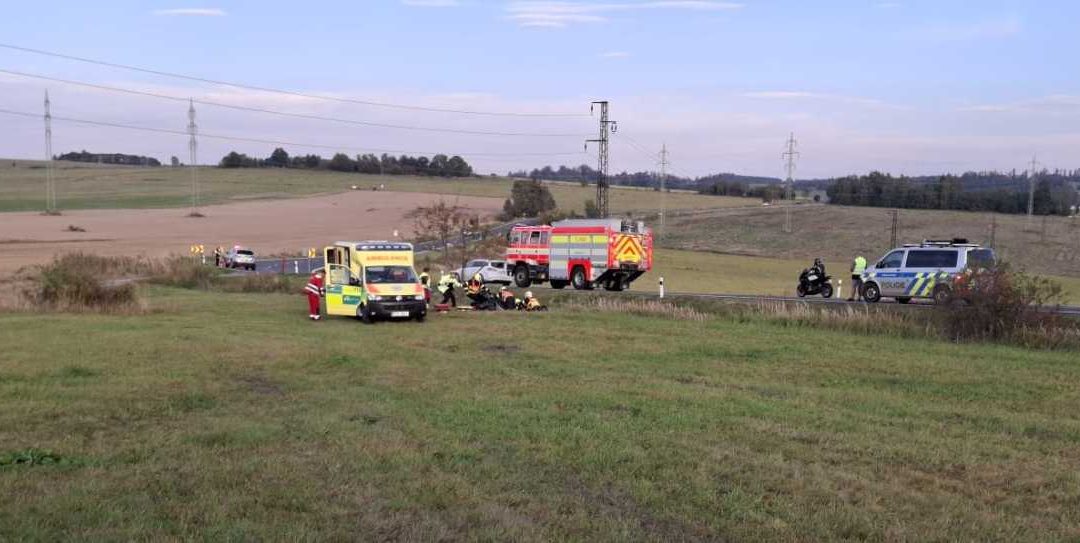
(282, 91)
(285, 113)
(275, 142)
(790, 155)
(606, 128)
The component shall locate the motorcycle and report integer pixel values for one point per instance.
(812, 282)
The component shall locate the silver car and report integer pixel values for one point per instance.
(492, 271)
(239, 257)
(926, 270)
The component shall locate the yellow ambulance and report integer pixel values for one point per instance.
(373, 280)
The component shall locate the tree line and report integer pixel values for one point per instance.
(110, 158)
(1055, 192)
(437, 166)
(729, 184)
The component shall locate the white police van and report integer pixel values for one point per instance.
(926, 270)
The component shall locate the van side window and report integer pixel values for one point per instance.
(932, 258)
(895, 259)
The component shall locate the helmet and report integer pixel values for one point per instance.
(502, 288)
(817, 261)
(528, 294)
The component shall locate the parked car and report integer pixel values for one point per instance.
(493, 271)
(240, 258)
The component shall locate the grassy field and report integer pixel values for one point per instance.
(838, 233)
(229, 416)
(88, 186)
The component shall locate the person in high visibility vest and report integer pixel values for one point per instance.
(858, 266)
(447, 283)
(314, 290)
(532, 304)
(476, 282)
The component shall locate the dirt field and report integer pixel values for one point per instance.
(267, 226)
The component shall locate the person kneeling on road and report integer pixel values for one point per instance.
(314, 290)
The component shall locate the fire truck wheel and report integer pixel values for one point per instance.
(557, 284)
(521, 276)
(577, 278)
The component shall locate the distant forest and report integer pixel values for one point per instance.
(110, 158)
(436, 166)
(585, 174)
(1055, 192)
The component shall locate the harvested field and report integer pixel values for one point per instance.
(267, 226)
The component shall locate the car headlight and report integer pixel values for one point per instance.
(419, 297)
(375, 298)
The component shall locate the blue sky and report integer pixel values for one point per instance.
(906, 86)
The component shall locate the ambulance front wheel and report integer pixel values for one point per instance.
(872, 293)
(365, 314)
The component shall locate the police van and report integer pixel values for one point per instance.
(925, 270)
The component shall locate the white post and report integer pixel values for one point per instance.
(661, 287)
(296, 267)
(839, 288)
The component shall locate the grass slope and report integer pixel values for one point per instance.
(838, 233)
(231, 417)
(83, 186)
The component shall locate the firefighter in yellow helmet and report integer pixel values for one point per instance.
(532, 304)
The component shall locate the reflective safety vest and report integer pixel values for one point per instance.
(314, 286)
(447, 282)
(859, 267)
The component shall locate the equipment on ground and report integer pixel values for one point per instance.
(373, 280)
(583, 253)
(924, 270)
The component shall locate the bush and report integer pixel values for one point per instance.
(183, 272)
(998, 304)
(80, 282)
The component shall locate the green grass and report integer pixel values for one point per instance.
(838, 233)
(88, 186)
(229, 416)
(703, 272)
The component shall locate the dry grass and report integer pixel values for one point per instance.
(635, 306)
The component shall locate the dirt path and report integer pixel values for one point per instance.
(268, 227)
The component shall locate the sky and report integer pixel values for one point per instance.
(909, 87)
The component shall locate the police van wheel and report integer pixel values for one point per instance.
(872, 293)
(903, 300)
(521, 276)
(577, 278)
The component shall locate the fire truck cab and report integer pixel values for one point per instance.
(580, 252)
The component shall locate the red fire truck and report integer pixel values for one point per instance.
(580, 252)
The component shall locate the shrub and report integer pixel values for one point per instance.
(183, 272)
(999, 304)
(78, 282)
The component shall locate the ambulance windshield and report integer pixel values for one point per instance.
(389, 274)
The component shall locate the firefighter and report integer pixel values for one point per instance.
(858, 266)
(532, 304)
(507, 299)
(314, 290)
(446, 286)
(476, 283)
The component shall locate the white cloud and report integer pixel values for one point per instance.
(557, 14)
(1055, 104)
(431, 3)
(614, 54)
(196, 12)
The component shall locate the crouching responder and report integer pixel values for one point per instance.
(532, 304)
(447, 284)
(314, 290)
(507, 299)
(474, 286)
(858, 266)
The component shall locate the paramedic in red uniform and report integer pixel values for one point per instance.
(314, 290)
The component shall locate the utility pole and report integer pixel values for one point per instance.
(1031, 189)
(895, 228)
(790, 155)
(607, 127)
(193, 145)
(663, 187)
(993, 231)
(50, 181)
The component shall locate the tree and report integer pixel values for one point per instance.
(529, 198)
(342, 163)
(591, 211)
(174, 162)
(279, 158)
(438, 221)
